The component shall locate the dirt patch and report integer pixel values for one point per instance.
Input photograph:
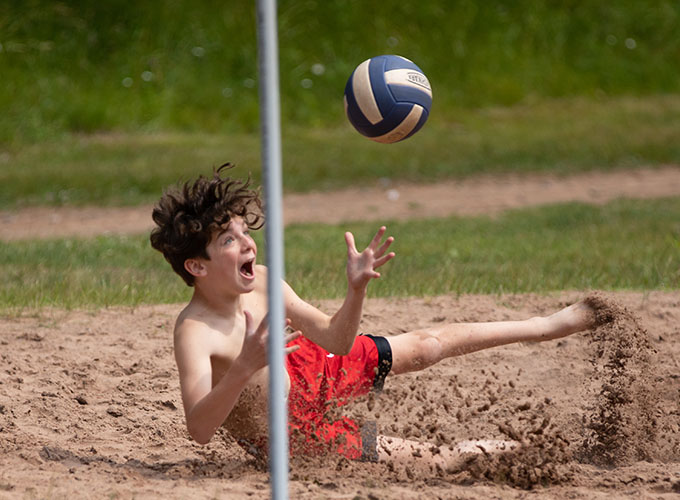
(387, 201)
(623, 419)
(89, 401)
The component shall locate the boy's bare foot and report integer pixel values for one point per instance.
(605, 311)
(585, 314)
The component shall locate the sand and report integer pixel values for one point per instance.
(90, 405)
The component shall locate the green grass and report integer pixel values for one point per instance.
(73, 66)
(101, 271)
(622, 245)
(561, 136)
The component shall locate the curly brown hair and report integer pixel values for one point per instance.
(187, 216)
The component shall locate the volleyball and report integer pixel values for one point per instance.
(388, 98)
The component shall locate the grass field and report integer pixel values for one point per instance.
(631, 245)
(184, 66)
(560, 136)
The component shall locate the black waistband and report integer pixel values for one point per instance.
(384, 360)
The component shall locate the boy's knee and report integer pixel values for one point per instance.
(427, 349)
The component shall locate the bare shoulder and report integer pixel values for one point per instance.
(194, 332)
(188, 324)
(203, 335)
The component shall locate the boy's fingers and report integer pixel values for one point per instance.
(384, 246)
(382, 260)
(349, 239)
(292, 336)
(264, 324)
(292, 348)
(376, 239)
(249, 320)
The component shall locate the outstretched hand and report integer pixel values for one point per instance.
(361, 267)
(254, 351)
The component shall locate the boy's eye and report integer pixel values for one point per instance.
(228, 240)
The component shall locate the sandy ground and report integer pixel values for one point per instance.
(90, 403)
(473, 196)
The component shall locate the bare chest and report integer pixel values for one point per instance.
(248, 419)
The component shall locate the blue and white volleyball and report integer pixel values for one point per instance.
(388, 98)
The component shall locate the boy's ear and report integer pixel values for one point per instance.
(195, 267)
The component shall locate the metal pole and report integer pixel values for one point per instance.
(270, 117)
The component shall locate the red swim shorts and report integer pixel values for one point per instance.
(321, 383)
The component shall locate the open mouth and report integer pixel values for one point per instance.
(247, 269)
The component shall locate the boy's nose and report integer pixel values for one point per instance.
(248, 243)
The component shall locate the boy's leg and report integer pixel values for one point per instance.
(424, 457)
(419, 349)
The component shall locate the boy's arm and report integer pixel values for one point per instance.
(336, 334)
(207, 407)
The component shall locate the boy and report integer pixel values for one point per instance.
(202, 229)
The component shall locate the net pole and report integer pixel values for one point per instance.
(270, 122)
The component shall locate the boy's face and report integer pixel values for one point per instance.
(232, 254)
